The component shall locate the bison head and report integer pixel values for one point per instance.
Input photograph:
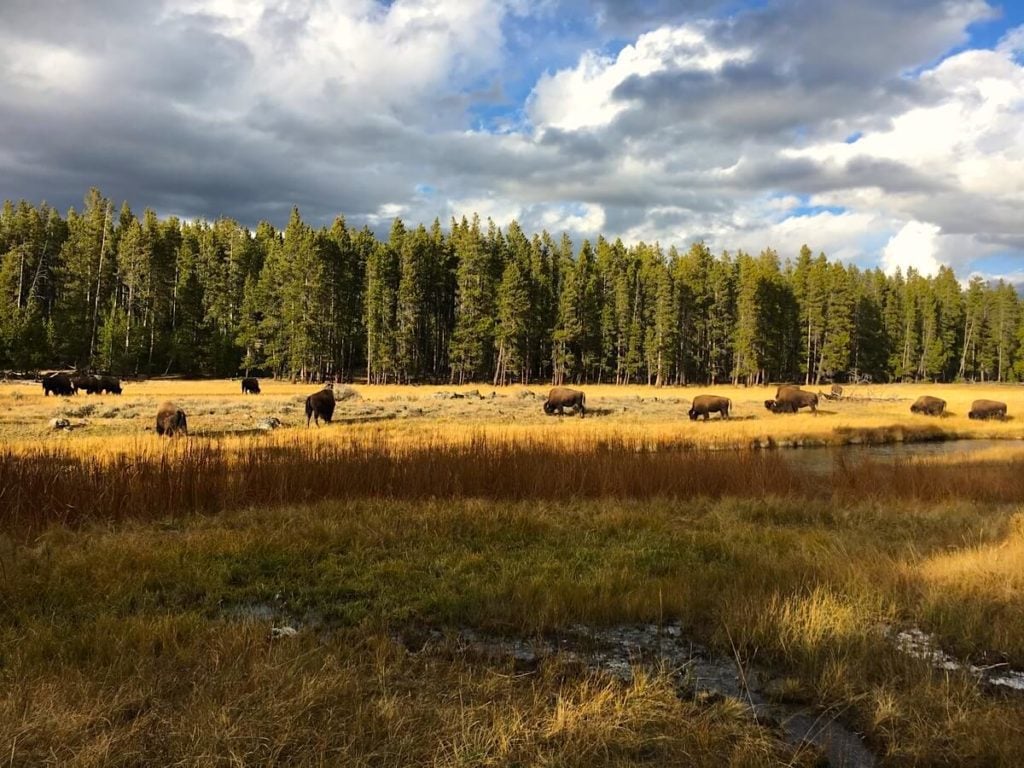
(770, 405)
(692, 414)
(549, 408)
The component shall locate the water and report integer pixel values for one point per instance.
(914, 642)
(618, 650)
(820, 460)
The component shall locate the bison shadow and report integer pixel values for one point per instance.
(596, 411)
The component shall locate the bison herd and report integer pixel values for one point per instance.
(789, 398)
(64, 385)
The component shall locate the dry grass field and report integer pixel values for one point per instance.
(317, 597)
(217, 409)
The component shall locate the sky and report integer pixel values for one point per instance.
(881, 132)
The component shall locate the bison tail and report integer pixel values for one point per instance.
(309, 411)
(183, 422)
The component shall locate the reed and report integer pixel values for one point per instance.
(52, 484)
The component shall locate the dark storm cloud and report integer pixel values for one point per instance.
(810, 176)
(755, 100)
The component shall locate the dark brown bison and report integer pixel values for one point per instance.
(250, 386)
(170, 420)
(987, 409)
(320, 405)
(110, 384)
(929, 406)
(58, 384)
(705, 405)
(561, 398)
(790, 399)
(783, 387)
(85, 382)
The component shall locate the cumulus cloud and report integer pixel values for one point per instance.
(914, 247)
(584, 95)
(848, 126)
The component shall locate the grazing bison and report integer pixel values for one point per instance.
(170, 420)
(987, 409)
(705, 405)
(110, 384)
(87, 382)
(790, 399)
(58, 384)
(250, 386)
(320, 405)
(929, 406)
(561, 398)
(783, 387)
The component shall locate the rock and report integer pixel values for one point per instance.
(268, 425)
(277, 633)
(60, 424)
(345, 392)
(447, 396)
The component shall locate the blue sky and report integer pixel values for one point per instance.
(883, 132)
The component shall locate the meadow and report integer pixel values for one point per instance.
(318, 597)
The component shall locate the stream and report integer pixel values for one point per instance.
(617, 650)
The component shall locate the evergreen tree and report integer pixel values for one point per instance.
(472, 340)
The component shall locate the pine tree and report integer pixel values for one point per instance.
(472, 340)
(515, 311)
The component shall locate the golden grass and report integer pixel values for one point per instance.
(217, 410)
(123, 556)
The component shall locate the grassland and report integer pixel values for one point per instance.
(217, 410)
(140, 580)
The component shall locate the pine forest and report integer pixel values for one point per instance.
(108, 290)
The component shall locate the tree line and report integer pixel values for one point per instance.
(107, 290)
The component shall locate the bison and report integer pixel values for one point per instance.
(320, 405)
(929, 406)
(170, 420)
(987, 409)
(561, 398)
(250, 386)
(87, 382)
(58, 384)
(110, 384)
(790, 399)
(705, 405)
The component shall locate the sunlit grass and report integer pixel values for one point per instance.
(217, 410)
(123, 556)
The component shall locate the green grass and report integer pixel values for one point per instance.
(127, 644)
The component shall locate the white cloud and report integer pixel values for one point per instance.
(327, 57)
(500, 210)
(965, 151)
(582, 96)
(914, 246)
(587, 219)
